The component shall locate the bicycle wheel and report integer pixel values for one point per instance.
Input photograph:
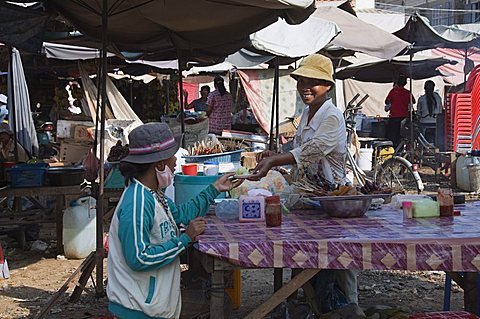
(397, 174)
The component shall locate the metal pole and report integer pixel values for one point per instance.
(11, 98)
(277, 105)
(412, 144)
(272, 119)
(100, 251)
(181, 106)
(465, 67)
(97, 111)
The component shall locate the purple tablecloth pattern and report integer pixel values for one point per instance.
(380, 240)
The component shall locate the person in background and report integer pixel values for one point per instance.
(319, 152)
(200, 104)
(219, 108)
(399, 99)
(428, 108)
(7, 146)
(3, 108)
(144, 239)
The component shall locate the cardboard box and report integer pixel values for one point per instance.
(73, 152)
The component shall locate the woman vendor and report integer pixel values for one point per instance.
(320, 149)
(144, 240)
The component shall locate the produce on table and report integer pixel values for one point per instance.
(210, 147)
(241, 171)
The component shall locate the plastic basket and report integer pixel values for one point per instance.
(226, 157)
(28, 175)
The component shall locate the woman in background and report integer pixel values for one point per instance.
(428, 108)
(219, 108)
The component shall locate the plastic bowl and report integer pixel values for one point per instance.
(190, 169)
(346, 208)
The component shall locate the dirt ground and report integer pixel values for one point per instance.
(35, 277)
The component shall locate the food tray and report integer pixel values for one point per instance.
(226, 157)
(348, 197)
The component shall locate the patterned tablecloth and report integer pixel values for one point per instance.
(380, 240)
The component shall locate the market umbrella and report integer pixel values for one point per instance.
(161, 29)
(386, 71)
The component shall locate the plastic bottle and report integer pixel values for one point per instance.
(445, 200)
(407, 210)
(273, 211)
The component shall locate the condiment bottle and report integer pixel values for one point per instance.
(273, 211)
(407, 210)
(445, 200)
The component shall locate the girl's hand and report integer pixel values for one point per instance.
(225, 183)
(196, 227)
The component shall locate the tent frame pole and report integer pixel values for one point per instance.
(277, 105)
(180, 95)
(11, 99)
(274, 98)
(410, 107)
(99, 254)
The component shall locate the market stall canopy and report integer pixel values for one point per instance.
(422, 35)
(467, 60)
(163, 29)
(327, 25)
(386, 71)
(21, 27)
(283, 39)
(360, 36)
(70, 52)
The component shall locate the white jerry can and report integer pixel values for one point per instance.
(79, 228)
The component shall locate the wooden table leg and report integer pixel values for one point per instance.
(470, 292)
(217, 295)
(282, 294)
(59, 207)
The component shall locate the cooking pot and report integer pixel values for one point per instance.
(65, 176)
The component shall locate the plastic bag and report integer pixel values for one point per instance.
(273, 182)
(91, 164)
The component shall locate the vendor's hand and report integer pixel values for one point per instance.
(260, 156)
(196, 227)
(225, 183)
(261, 169)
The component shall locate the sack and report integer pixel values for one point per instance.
(91, 164)
(4, 273)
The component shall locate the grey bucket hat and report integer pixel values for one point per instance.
(150, 143)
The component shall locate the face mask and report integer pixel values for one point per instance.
(165, 177)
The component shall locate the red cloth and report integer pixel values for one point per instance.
(444, 315)
(399, 97)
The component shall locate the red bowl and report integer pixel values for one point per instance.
(190, 169)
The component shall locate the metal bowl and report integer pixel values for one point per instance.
(346, 207)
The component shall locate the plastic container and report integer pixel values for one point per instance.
(425, 208)
(273, 211)
(210, 168)
(445, 200)
(474, 177)
(364, 160)
(227, 209)
(226, 157)
(64, 176)
(190, 169)
(28, 175)
(251, 208)
(462, 173)
(407, 210)
(79, 235)
(187, 187)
